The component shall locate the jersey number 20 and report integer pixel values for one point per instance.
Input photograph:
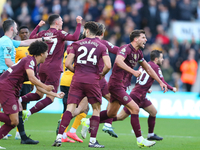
(143, 78)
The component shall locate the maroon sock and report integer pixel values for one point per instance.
(109, 120)
(67, 116)
(151, 123)
(30, 97)
(5, 129)
(40, 105)
(136, 125)
(114, 119)
(5, 118)
(103, 116)
(94, 126)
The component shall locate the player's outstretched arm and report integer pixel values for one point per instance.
(120, 63)
(152, 73)
(37, 82)
(69, 62)
(33, 34)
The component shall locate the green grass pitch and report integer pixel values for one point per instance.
(178, 134)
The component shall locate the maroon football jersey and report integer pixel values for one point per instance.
(144, 81)
(120, 76)
(87, 52)
(111, 48)
(13, 78)
(55, 48)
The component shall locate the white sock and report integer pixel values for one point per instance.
(64, 136)
(72, 130)
(150, 134)
(59, 136)
(108, 124)
(29, 113)
(17, 133)
(139, 139)
(92, 140)
(88, 121)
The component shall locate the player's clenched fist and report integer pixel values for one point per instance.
(136, 73)
(41, 23)
(79, 19)
(60, 95)
(49, 87)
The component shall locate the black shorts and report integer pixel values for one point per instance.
(65, 89)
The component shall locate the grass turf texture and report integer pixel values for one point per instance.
(178, 134)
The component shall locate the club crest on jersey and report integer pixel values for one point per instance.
(125, 98)
(14, 107)
(63, 32)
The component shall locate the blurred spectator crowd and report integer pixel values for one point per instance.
(120, 18)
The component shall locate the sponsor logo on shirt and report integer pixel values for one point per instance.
(160, 73)
(123, 51)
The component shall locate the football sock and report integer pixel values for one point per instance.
(94, 125)
(64, 136)
(151, 124)
(72, 130)
(77, 121)
(66, 129)
(30, 97)
(114, 119)
(136, 125)
(67, 116)
(92, 140)
(139, 139)
(150, 134)
(108, 124)
(20, 127)
(40, 105)
(5, 129)
(103, 116)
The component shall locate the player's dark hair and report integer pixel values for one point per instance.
(101, 29)
(92, 26)
(37, 48)
(52, 18)
(22, 27)
(135, 33)
(155, 54)
(7, 24)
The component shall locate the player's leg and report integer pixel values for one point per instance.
(77, 122)
(151, 123)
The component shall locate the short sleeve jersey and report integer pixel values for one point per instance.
(55, 48)
(13, 78)
(111, 48)
(144, 81)
(7, 50)
(120, 76)
(87, 52)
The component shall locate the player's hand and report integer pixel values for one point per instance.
(41, 23)
(49, 38)
(164, 87)
(174, 89)
(149, 91)
(79, 19)
(49, 88)
(60, 95)
(136, 73)
(101, 76)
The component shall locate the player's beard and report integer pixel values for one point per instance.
(83, 35)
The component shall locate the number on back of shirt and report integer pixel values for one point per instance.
(91, 57)
(143, 78)
(55, 41)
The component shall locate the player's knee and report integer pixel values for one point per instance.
(153, 113)
(14, 122)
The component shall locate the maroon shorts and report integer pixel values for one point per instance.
(78, 91)
(51, 78)
(142, 103)
(118, 93)
(104, 86)
(9, 102)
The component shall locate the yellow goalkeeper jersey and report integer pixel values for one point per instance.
(21, 52)
(67, 75)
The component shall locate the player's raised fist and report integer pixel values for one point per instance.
(41, 23)
(174, 89)
(60, 95)
(79, 19)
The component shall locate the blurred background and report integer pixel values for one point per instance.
(171, 26)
